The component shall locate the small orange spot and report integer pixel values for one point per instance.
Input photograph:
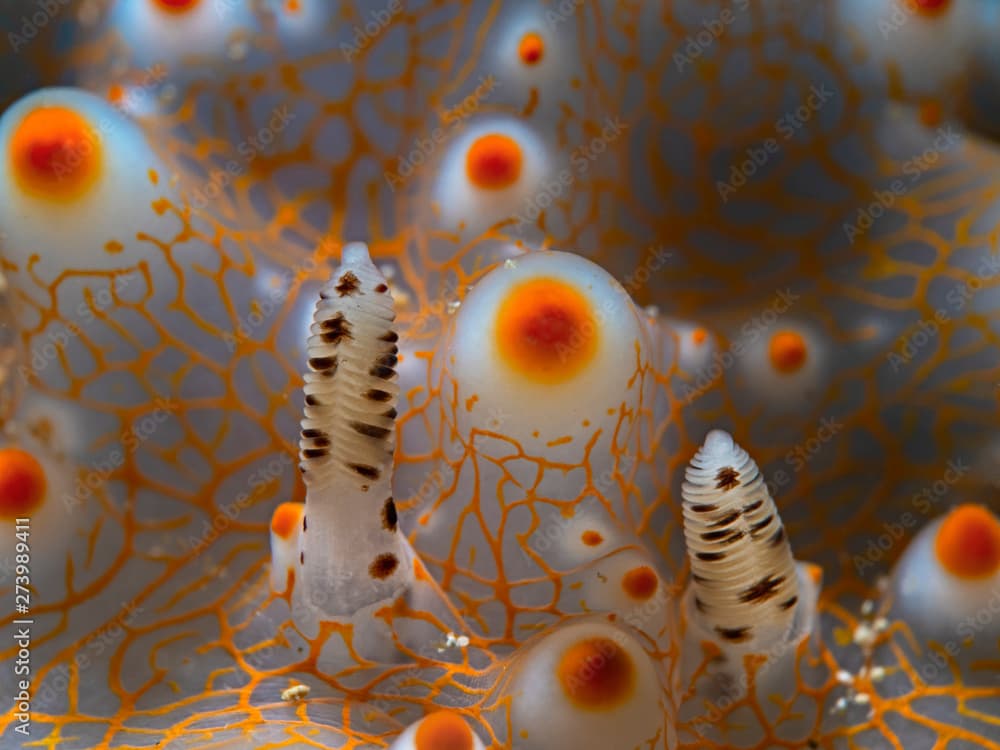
(287, 519)
(292, 6)
(640, 583)
(154, 178)
(443, 730)
(113, 246)
(698, 336)
(55, 154)
(493, 162)
(22, 483)
(596, 674)
(788, 352)
(176, 6)
(545, 329)
(968, 542)
(116, 93)
(531, 50)
(471, 401)
(931, 113)
(929, 7)
(591, 538)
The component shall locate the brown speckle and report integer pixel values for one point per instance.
(727, 479)
(304, 525)
(752, 506)
(789, 603)
(763, 590)
(377, 394)
(760, 525)
(368, 472)
(382, 288)
(383, 566)
(391, 413)
(348, 284)
(390, 337)
(699, 604)
(389, 517)
(336, 329)
(704, 508)
(369, 430)
(726, 520)
(379, 371)
(734, 635)
(710, 556)
(312, 399)
(302, 558)
(315, 452)
(321, 364)
(778, 537)
(311, 433)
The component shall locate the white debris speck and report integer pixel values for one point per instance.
(862, 699)
(844, 677)
(867, 607)
(881, 624)
(840, 706)
(882, 583)
(462, 641)
(864, 635)
(878, 674)
(295, 693)
(510, 263)
(453, 306)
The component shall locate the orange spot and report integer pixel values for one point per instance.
(113, 246)
(292, 6)
(788, 352)
(443, 730)
(493, 162)
(176, 6)
(154, 178)
(640, 583)
(54, 153)
(929, 7)
(931, 113)
(591, 538)
(698, 336)
(596, 674)
(968, 542)
(286, 519)
(115, 93)
(22, 483)
(545, 329)
(531, 50)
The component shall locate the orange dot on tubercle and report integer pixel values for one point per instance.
(493, 162)
(546, 330)
(22, 483)
(698, 336)
(596, 674)
(287, 519)
(640, 583)
(968, 542)
(591, 538)
(788, 351)
(531, 50)
(443, 730)
(176, 6)
(930, 7)
(55, 154)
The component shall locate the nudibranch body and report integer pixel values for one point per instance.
(163, 274)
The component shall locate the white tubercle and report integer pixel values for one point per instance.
(286, 526)
(441, 729)
(351, 553)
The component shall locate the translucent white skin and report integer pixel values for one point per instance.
(462, 205)
(154, 35)
(407, 739)
(73, 234)
(937, 605)
(554, 410)
(930, 51)
(780, 390)
(543, 717)
(284, 557)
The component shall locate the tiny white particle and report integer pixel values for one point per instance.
(881, 624)
(862, 699)
(864, 635)
(845, 677)
(840, 706)
(510, 263)
(453, 306)
(867, 607)
(295, 693)
(878, 674)
(462, 641)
